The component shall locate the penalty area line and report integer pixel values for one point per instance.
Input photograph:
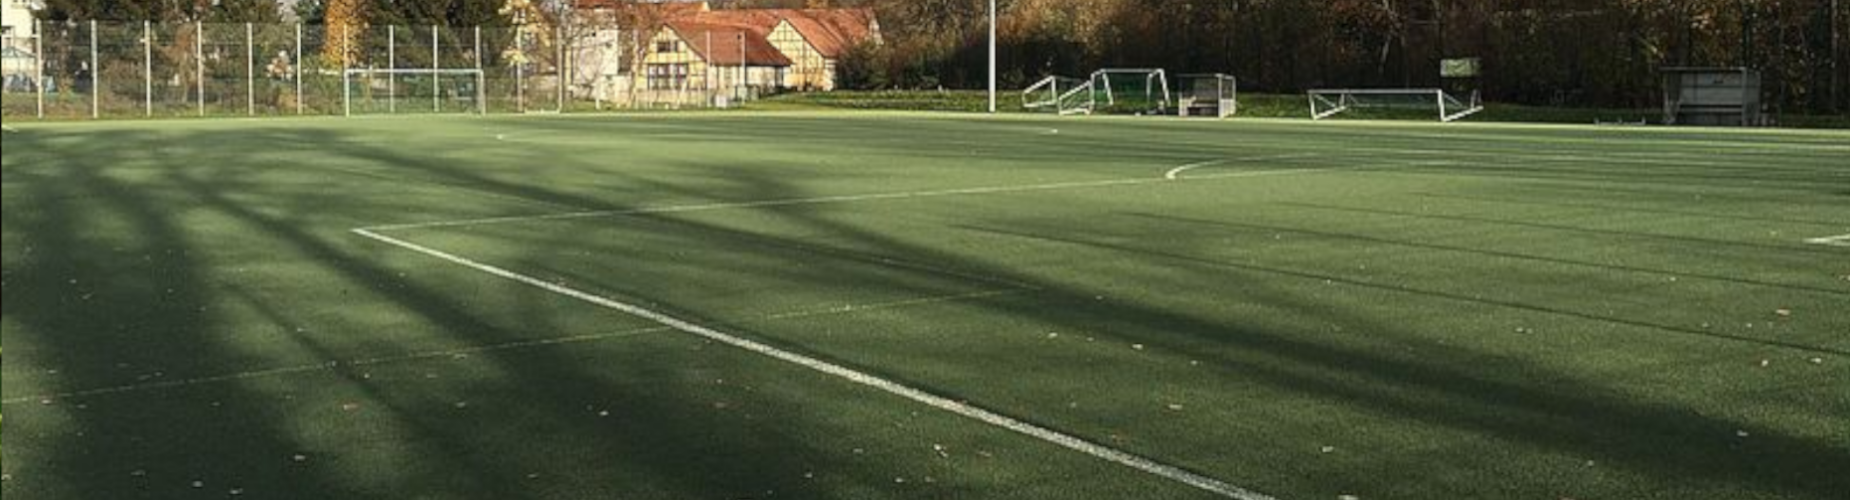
(858, 198)
(1175, 174)
(1842, 240)
(966, 410)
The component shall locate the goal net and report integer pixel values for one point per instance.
(1059, 94)
(1214, 95)
(396, 91)
(1131, 91)
(1325, 103)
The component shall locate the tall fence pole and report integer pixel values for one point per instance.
(38, 46)
(520, 73)
(481, 78)
(391, 65)
(147, 68)
(298, 70)
(563, 72)
(436, 83)
(346, 84)
(199, 65)
(250, 71)
(96, 67)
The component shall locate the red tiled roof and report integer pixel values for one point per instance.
(726, 49)
(666, 9)
(831, 31)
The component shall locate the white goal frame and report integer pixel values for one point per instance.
(1155, 81)
(1050, 94)
(481, 84)
(1450, 108)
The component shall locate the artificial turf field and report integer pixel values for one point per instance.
(867, 306)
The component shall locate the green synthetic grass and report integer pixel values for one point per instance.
(1383, 310)
(1252, 105)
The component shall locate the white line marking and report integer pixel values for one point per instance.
(975, 191)
(1836, 241)
(1068, 441)
(9, 129)
(503, 346)
(1176, 173)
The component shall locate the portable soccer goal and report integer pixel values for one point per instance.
(428, 90)
(1059, 94)
(1214, 95)
(1325, 103)
(1133, 91)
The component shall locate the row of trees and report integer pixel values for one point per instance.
(1553, 52)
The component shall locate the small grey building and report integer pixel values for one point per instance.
(1712, 97)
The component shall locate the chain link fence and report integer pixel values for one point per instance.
(104, 70)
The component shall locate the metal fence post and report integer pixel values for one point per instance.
(391, 66)
(481, 77)
(346, 82)
(520, 73)
(199, 65)
(250, 72)
(298, 70)
(562, 71)
(147, 67)
(436, 83)
(38, 46)
(95, 80)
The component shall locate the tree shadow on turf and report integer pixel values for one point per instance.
(113, 290)
(1668, 444)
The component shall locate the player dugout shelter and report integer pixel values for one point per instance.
(1714, 97)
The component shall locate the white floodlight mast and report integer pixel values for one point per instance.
(992, 57)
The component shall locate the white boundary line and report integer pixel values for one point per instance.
(504, 346)
(1175, 174)
(823, 200)
(1836, 241)
(9, 129)
(1068, 441)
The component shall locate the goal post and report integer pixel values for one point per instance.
(1214, 94)
(373, 90)
(1132, 90)
(1060, 95)
(1326, 103)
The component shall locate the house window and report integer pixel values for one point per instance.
(667, 76)
(667, 47)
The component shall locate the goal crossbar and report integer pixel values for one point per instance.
(1155, 84)
(1325, 103)
(479, 78)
